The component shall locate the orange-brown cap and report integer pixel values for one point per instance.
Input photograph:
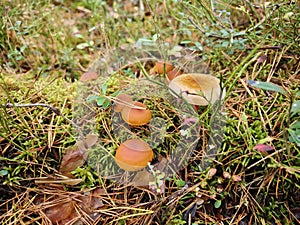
(161, 67)
(133, 155)
(172, 74)
(122, 100)
(138, 116)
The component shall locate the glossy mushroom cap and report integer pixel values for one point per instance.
(161, 67)
(197, 88)
(136, 116)
(172, 74)
(122, 101)
(133, 155)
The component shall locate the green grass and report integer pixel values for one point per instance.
(45, 46)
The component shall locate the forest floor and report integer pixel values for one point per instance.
(64, 62)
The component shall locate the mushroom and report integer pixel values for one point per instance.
(161, 67)
(122, 101)
(138, 116)
(172, 74)
(197, 88)
(133, 155)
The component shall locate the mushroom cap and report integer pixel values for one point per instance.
(197, 88)
(159, 67)
(122, 100)
(172, 74)
(133, 155)
(136, 116)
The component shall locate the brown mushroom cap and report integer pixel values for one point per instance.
(133, 155)
(161, 67)
(197, 88)
(122, 101)
(136, 116)
(172, 74)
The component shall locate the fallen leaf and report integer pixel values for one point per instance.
(236, 178)
(87, 76)
(142, 178)
(60, 212)
(261, 58)
(91, 139)
(212, 172)
(76, 155)
(263, 148)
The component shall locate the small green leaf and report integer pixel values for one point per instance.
(180, 183)
(267, 86)
(294, 136)
(101, 100)
(106, 104)
(3, 172)
(296, 107)
(218, 204)
(91, 98)
(104, 89)
(116, 93)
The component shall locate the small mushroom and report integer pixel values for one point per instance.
(172, 74)
(138, 116)
(197, 88)
(122, 101)
(133, 155)
(161, 67)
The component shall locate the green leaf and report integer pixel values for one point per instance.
(91, 98)
(101, 100)
(180, 183)
(295, 125)
(294, 136)
(267, 86)
(3, 172)
(116, 93)
(218, 204)
(104, 89)
(106, 104)
(295, 107)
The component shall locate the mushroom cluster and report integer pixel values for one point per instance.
(133, 154)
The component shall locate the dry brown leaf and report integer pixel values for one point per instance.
(212, 172)
(92, 200)
(263, 148)
(60, 212)
(236, 178)
(76, 155)
(91, 139)
(142, 178)
(87, 76)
